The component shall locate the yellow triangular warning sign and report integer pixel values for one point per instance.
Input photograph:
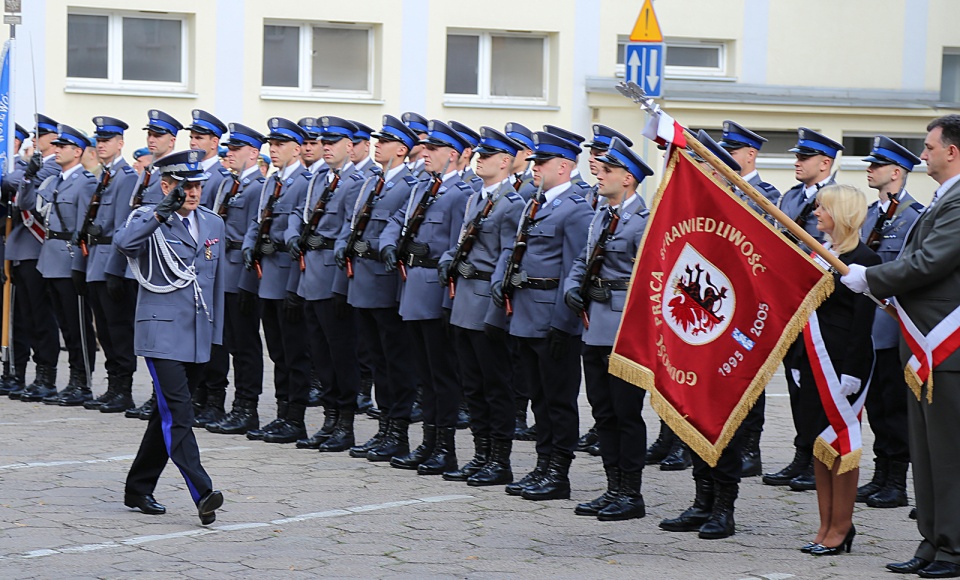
(647, 29)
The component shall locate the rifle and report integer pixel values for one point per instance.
(363, 218)
(318, 212)
(517, 182)
(876, 234)
(592, 273)
(519, 249)
(266, 222)
(93, 209)
(466, 244)
(417, 217)
(137, 200)
(222, 208)
(801, 219)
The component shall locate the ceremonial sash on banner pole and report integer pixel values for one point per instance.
(843, 437)
(928, 351)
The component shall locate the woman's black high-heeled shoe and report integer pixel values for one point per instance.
(808, 546)
(845, 545)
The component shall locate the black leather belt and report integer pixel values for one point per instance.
(478, 275)
(368, 254)
(418, 262)
(100, 240)
(52, 235)
(234, 244)
(615, 284)
(320, 243)
(540, 283)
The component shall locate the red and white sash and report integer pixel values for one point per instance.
(30, 222)
(843, 437)
(928, 351)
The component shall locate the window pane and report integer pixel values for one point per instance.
(87, 46)
(694, 56)
(950, 79)
(621, 52)
(861, 146)
(341, 59)
(516, 68)
(462, 64)
(151, 50)
(281, 65)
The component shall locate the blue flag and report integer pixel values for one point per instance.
(6, 125)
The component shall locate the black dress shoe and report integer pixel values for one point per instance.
(911, 566)
(144, 503)
(288, 432)
(808, 546)
(120, 403)
(803, 482)
(259, 434)
(208, 505)
(940, 569)
(75, 398)
(913, 514)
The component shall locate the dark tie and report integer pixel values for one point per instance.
(186, 224)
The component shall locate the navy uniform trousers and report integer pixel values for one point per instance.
(554, 386)
(34, 325)
(384, 333)
(67, 309)
(432, 349)
(485, 369)
(115, 323)
(286, 335)
(241, 339)
(333, 347)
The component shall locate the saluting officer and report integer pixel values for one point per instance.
(283, 325)
(548, 332)
(816, 154)
(162, 132)
(421, 303)
(602, 135)
(329, 318)
(360, 156)
(467, 174)
(479, 327)
(236, 202)
(580, 186)
(373, 291)
(179, 262)
(890, 163)
(205, 134)
(419, 125)
(34, 325)
(112, 299)
(65, 197)
(616, 404)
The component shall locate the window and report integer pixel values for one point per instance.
(490, 67)
(950, 76)
(860, 145)
(126, 50)
(688, 58)
(333, 59)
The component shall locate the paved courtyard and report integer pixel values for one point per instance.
(293, 513)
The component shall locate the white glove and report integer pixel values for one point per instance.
(849, 385)
(856, 279)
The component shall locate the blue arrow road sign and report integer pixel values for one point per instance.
(645, 66)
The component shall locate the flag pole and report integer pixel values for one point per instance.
(9, 129)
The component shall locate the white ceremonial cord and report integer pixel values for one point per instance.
(361, 199)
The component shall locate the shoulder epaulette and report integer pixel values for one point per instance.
(643, 212)
(356, 176)
(768, 187)
(88, 175)
(917, 206)
(205, 209)
(410, 180)
(305, 173)
(578, 199)
(874, 204)
(224, 171)
(464, 187)
(514, 196)
(128, 170)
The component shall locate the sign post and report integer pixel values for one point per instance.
(645, 55)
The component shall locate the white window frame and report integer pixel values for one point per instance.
(114, 80)
(485, 70)
(305, 89)
(684, 72)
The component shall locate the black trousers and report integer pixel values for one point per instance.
(440, 397)
(241, 340)
(617, 406)
(34, 325)
(485, 374)
(887, 406)
(115, 323)
(518, 376)
(800, 441)
(385, 335)
(333, 346)
(554, 387)
(289, 351)
(67, 308)
(169, 432)
(754, 420)
(728, 466)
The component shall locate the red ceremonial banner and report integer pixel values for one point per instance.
(716, 298)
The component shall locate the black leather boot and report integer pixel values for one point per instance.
(876, 484)
(17, 386)
(679, 457)
(315, 394)
(199, 398)
(416, 412)
(444, 456)
(481, 455)
(520, 426)
(587, 439)
(517, 487)
(108, 395)
(43, 385)
(7, 382)
(720, 524)
(801, 460)
(662, 446)
(291, 429)
(463, 417)
(342, 437)
(423, 451)
(360, 451)
(241, 419)
(395, 443)
(329, 423)
(628, 504)
(259, 434)
(593, 507)
(805, 481)
(213, 410)
(144, 411)
(123, 395)
(696, 515)
(750, 454)
(496, 471)
(894, 491)
(77, 391)
(364, 400)
(555, 483)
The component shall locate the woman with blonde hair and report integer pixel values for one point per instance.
(832, 367)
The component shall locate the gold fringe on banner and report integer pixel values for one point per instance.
(827, 455)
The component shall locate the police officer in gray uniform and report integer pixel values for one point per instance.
(616, 404)
(420, 126)
(64, 198)
(179, 318)
(479, 327)
(422, 299)
(34, 325)
(886, 229)
(815, 157)
(602, 135)
(467, 174)
(581, 187)
(162, 132)
(112, 299)
(205, 134)
(373, 290)
(360, 156)
(521, 167)
(548, 332)
(283, 313)
(329, 318)
(236, 202)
